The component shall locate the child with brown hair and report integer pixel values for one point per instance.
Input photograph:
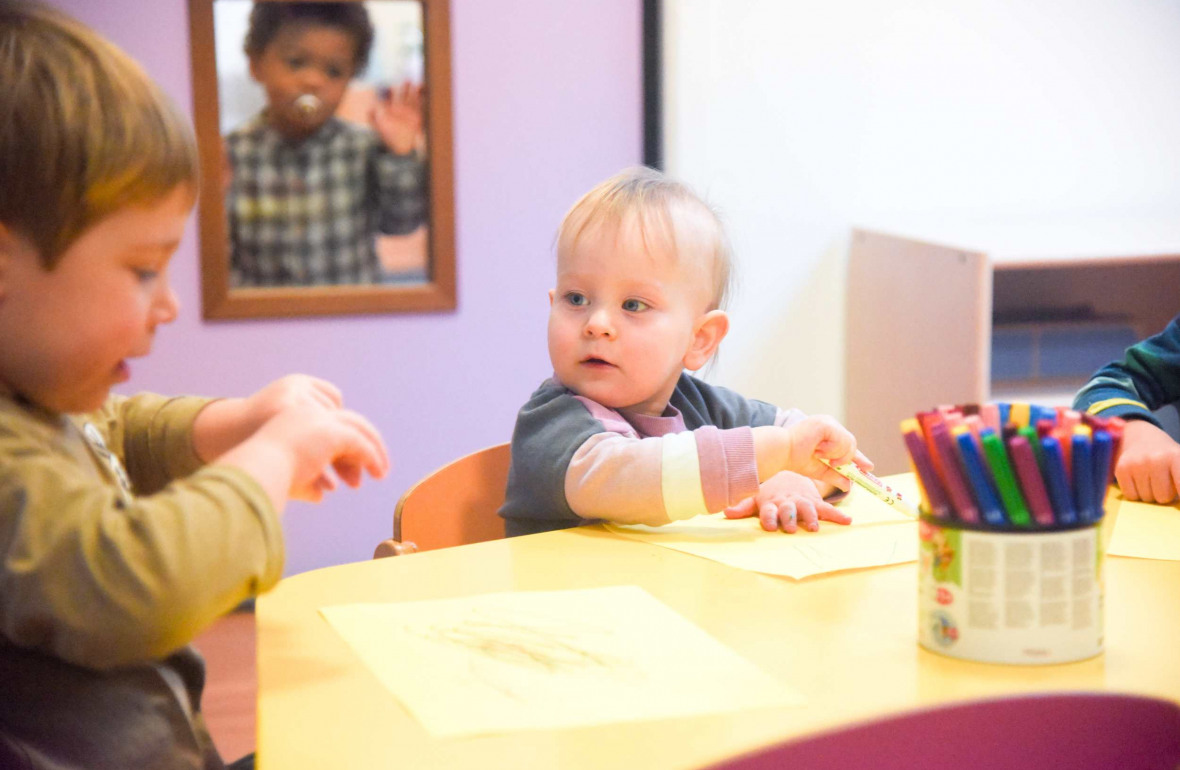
(127, 524)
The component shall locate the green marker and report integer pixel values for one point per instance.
(1034, 440)
(997, 458)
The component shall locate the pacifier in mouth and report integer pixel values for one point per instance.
(308, 104)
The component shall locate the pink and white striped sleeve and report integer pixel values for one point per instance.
(620, 477)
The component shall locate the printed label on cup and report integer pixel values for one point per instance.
(1004, 597)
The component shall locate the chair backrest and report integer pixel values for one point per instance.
(454, 505)
(1080, 731)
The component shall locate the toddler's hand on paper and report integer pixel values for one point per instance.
(785, 501)
(1148, 467)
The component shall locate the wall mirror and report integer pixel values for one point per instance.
(326, 180)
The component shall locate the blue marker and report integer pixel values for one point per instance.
(1037, 413)
(1103, 455)
(979, 478)
(1083, 478)
(1004, 410)
(1057, 481)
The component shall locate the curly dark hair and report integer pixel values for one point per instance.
(267, 18)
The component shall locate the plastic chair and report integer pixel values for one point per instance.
(454, 505)
(1080, 731)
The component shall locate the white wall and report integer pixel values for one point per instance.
(799, 119)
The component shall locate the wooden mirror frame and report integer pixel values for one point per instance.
(219, 301)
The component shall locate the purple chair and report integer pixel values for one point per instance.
(1078, 731)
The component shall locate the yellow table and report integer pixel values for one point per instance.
(846, 641)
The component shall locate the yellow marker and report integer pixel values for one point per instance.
(874, 486)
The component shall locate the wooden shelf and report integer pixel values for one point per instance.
(921, 305)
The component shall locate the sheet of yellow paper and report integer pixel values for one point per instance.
(878, 535)
(550, 659)
(1145, 531)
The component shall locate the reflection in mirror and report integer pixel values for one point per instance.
(326, 146)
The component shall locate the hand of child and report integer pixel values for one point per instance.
(786, 499)
(801, 447)
(1148, 467)
(317, 438)
(397, 118)
(290, 455)
(225, 423)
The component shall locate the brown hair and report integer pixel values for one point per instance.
(667, 214)
(266, 19)
(84, 131)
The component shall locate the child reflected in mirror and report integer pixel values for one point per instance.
(310, 194)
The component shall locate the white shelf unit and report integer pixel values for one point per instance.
(920, 309)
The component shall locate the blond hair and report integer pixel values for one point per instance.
(84, 131)
(667, 213)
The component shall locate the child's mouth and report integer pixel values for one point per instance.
(308, 105)
(596, 362)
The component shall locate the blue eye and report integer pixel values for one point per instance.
(145, 276)
(635, 305)
(577, 299)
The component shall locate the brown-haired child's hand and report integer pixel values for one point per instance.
(319, 438)
(225, 423)
(291, 454)
(786, 500)
(1148, 466)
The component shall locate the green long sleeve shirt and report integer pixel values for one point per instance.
(116, 548)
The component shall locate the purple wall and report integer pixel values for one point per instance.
(547, 101)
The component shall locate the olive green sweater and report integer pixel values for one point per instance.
(106, 576)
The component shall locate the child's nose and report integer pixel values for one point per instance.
(166, 304)
(312, 79)
(600, 324)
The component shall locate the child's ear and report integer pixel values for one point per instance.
(708, 332)
(9, 243)
(254, 69)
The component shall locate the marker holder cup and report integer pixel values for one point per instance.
(1023, 597)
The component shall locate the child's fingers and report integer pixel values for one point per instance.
(1126, 479)
(807, 515)
(371, 453)
(327, 393)
(862, 462)
(828, 512)
(776, 515)
(348, 471)
(743, 509)
(1161, 483)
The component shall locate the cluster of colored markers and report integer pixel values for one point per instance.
(1014, 466)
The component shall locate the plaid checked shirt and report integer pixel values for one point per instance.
(307, 214)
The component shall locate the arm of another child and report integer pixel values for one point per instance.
(287, 435)
(1148, 467)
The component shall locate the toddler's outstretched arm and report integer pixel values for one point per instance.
(801, 446)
